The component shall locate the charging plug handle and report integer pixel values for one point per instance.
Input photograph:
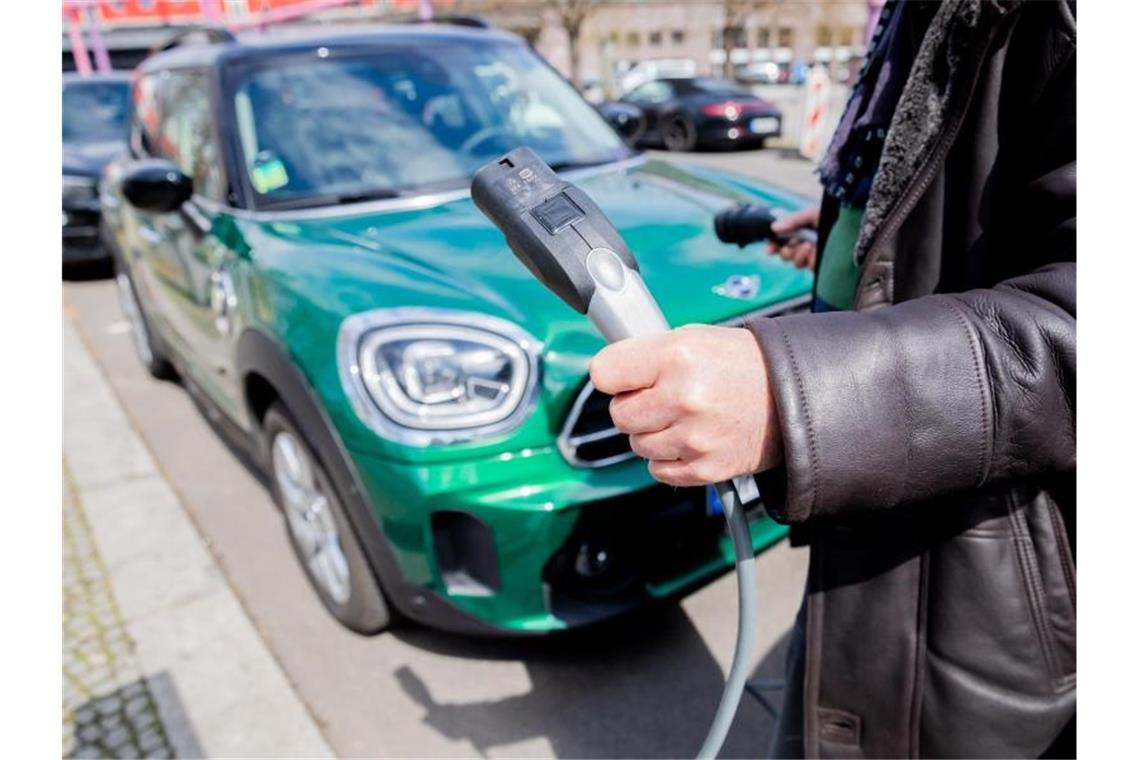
(747, 223)
(568, 243)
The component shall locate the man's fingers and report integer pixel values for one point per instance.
(804, 255)
(643, 411)
(660, 446)
(791, 222)
(627, 365)
(677, 473)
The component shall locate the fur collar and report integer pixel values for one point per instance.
(934, 86)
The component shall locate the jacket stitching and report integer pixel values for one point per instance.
(986, 399)
(1061, 535)
(919, 657)
(807, 418)
(1034, 587)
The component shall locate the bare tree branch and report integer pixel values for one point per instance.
(572, 14)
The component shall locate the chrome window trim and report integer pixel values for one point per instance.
(353, 333)
(568, 444)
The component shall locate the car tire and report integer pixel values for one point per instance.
(679, 134)
(148, 346)
(319, 529)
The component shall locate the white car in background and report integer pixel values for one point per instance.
(661, 68)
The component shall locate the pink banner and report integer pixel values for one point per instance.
(98, 47)
(78, 46)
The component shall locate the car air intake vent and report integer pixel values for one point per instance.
(589, 438)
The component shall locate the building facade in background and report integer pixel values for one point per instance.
(716, 36)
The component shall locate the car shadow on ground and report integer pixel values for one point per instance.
(643, 686)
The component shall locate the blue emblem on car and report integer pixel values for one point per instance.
(743, 287)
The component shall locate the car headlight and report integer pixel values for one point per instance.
(431, 376)
(78, 189)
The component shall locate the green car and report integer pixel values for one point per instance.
(295, 240)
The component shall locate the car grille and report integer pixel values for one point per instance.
(589, 438)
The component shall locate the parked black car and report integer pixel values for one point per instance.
(691, 112)
(95, 110)
(627, 119)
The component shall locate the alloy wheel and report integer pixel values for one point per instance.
(678, 135)
(310, 517)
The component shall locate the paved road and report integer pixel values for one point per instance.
(783, 168)
(645, 687)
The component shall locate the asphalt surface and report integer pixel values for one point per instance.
(643, 687)
(780, 166)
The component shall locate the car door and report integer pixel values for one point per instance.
(651, 97)
(193, 270)
(156, 268)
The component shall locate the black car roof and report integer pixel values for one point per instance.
(285, 40)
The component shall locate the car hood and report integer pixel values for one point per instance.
(449, 255)
(89, 158)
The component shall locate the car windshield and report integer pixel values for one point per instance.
(95, 111)
(405, 119)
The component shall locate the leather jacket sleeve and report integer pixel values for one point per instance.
(924, 398)
(951, 391)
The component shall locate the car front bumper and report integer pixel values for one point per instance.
(525, 543)
(81, 240)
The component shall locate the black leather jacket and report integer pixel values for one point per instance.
(930, 435)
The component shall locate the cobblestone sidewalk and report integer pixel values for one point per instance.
(108, 708)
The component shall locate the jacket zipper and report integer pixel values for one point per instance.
(925, 175)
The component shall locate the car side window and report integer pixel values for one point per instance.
(145, 116)
(186, 131)
(651, 92)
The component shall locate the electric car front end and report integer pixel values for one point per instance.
(295, 237)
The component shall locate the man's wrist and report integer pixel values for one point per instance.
(770, 449)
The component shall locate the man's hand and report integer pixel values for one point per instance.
(695, 402)
(800, 253)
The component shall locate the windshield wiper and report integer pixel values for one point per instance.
(375, 194)
(560, 166)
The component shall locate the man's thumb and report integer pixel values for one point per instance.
(785, 224)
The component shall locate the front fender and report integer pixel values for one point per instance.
(261, 359)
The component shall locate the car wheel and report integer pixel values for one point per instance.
(679, 134)
(146, 343)
(319, 530)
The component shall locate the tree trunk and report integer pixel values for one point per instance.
(572, 34)
(726, 67)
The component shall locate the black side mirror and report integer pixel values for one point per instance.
(628, 120)
(156, 185)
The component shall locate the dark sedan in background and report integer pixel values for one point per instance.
(95, 110)
(684, 113)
